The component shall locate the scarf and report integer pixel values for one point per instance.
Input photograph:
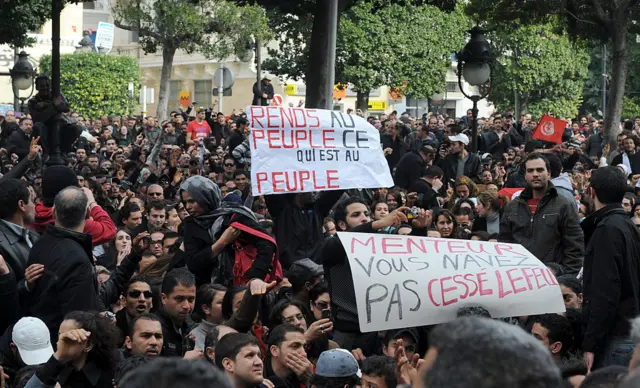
(208, 195)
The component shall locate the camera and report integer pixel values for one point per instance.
(412, 213)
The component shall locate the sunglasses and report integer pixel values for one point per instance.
(228, 164)
(136, 294)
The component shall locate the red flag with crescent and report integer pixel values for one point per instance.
(550, 129)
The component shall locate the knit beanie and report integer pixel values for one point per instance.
(54, 180)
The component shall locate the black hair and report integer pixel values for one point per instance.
(571, 282)
(177, 276)
(555, 268)
(241, 172)
(332, 382)
(433, 172)
(558, 329)
(104, 352)
(227, 301)
(609, 184)
(341, 210)
(127, 365)
(481, 234)
(126, 210)
(136, 279)
(317, 290)
(537, 156)
(555, 166)
(465, 211)
(573, 367)
(141, 317)
(445, 213)
(211, 340)
(275, 317)
(241, 121)
(279, 333)
(176, 373)
(298, 276)
(204, 296)
(381, 366)
(155, 204)
(13, 191)
(473, 311)
(231, 344)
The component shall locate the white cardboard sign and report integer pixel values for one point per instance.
(407, 281)
(295, 150)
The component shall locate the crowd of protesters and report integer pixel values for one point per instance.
(146, 261)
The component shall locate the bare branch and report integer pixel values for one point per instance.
(601, 14)
(141, 31)
(578, 19)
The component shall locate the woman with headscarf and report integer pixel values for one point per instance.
(209, 236)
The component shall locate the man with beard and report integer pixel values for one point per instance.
(630, 157)
(542, 221)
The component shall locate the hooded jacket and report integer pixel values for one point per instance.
(564, 186)
(99, 225)
(202, 231)
(611, 277)
(552, 234)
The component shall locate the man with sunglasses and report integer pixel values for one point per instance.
(137, 299)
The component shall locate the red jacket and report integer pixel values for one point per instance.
(99, 225)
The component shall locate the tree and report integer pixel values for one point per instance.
(212, 27)
(97, 84)
(382, 46)
(20, 17)
(303, 26)
(606, 21)
(538, 70)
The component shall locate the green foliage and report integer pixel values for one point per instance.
(211, 27)
(630, 108)
(545, 68)
(20, 17)
(97, 84)
(399, 45)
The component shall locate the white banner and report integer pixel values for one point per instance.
(295, 150)
(406, 281)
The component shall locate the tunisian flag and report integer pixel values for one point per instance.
(550, 129)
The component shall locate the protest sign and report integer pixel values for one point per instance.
(406, 281)
(295, 150)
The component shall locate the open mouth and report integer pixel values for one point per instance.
(152, 352)
(141, 308)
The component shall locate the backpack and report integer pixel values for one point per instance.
(245, 254)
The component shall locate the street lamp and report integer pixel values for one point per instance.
(22, 76)
(475, 63)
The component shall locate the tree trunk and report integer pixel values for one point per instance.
(619, 65)
(168, 53)
(318, 67)
(362, 102)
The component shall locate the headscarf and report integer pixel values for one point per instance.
(208, 195)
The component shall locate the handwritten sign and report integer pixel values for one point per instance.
(406, 281)
(296, 150)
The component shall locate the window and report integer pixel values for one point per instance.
(417, 106)
(202, 92)
(452, 87)
(174, 95)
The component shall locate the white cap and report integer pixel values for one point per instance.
(31, 337)
(460, 137)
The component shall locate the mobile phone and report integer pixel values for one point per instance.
(326, 314)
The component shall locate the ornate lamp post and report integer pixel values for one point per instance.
(22, 76)
(475, 63)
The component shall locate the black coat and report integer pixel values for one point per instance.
(398, 146)
(299, 231)
(449, 165)
(611, 277)
(409, 169)
(257, 93)
(15, 250)
(174, 341)
(552, 234)
(69, 282)
(427, 196)
(19, 143)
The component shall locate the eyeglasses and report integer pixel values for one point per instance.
(294, 318)
(228, 164)
(136, 294)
